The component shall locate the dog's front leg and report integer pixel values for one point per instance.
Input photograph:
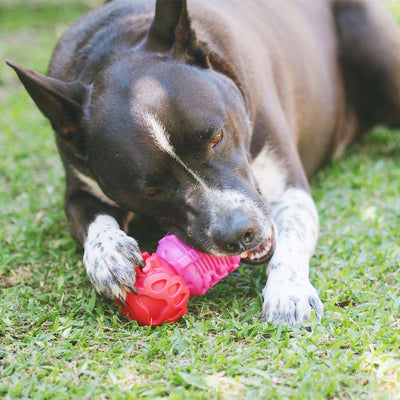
(289, 297)
(110, 255)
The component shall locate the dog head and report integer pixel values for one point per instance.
(166, 135)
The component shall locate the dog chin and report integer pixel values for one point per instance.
(260, 254)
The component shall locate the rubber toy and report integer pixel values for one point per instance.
(162, 296)
(199, 270)
(170, 275)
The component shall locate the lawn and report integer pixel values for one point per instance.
(59, 340)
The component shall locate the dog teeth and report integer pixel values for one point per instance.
(257, 253)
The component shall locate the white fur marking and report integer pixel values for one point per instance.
(289, 297)
(297, 220)
(288, 302)
(270, 174)
(99, 225)
(161, 137)
(110, 258)
(160, 134)
(93, 188)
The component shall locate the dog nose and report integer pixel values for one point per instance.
(240, 241)
(236, 235)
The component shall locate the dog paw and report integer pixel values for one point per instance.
(110, 258)
(290, 303)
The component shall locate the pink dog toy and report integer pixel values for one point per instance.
(170, 273)
(200, 271)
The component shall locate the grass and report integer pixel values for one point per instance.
(59, 340)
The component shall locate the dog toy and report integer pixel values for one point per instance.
(170, 275)
(162, 296)
(199, 270)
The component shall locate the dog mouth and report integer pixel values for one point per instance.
(260, 254)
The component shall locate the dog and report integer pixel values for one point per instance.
(210, 117)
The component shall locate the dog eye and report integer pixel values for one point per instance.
(217, 138)
(151, 192)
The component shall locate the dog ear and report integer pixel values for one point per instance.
(171, 30)
(63, 103)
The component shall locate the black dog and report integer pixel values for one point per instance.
(212, 125)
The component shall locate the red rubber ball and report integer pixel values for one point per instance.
(162, 297)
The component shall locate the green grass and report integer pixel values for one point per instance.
(59, 340)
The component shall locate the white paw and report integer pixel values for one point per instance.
(289, 303)
(110, 257)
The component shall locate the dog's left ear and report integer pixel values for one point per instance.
(171, 31)
(63, 103)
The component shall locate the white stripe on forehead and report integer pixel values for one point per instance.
(159, 134)
(162, 140)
